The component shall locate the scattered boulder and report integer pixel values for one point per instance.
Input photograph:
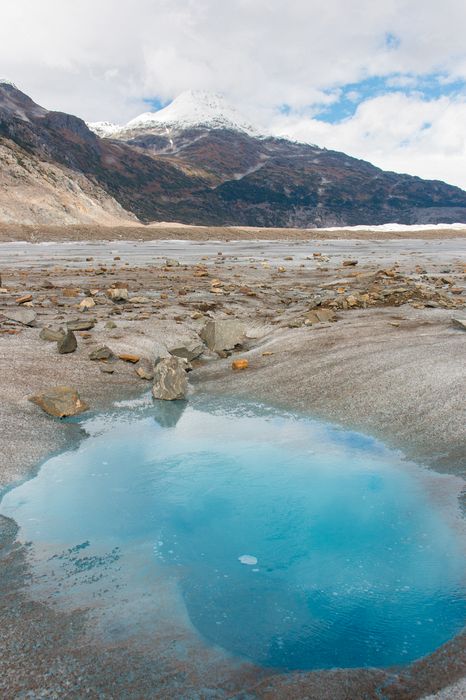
(170, 380)
(459, 323)
(52, 334)
(223, 335)
(319, 316)
(110, 325)
(157, 351)
(67, 344)
(171, 262)
(189, 349)
(86, 303)
(81, 325)
(60, 401)
(118, 294)
(145, 369)
(102, 353)
(350, 263)
(22, 315)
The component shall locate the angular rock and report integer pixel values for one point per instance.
(86, 303)
(171, 262)
(81, 325)
(60, 401)
(22, 315)
(189, 349)
(118, 294)
(319, 316)
(170, 380)
(145, 369)
(52, 334)
(67, 344)
(24, 299)
(129, 357)
(223, 335)
(459, 323)
(102, 353)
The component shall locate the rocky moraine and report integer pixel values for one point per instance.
(366, 338)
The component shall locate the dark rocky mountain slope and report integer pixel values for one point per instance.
(221, 175)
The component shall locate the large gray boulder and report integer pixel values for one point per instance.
(170, 379)
(102, 353)
(52, 334)
(118, 294)
(78, 324)
(223, 335)
(60, 401)
(67, 344)
(187, 348)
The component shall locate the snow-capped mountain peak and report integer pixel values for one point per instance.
(191, 109)
(195, 108)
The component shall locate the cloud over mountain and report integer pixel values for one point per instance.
(283, 66)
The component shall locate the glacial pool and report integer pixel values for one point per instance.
(267, 536)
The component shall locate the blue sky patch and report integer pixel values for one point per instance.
(350, 96)
(154, 103)
(391, 41)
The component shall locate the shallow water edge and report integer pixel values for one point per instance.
(448, 497)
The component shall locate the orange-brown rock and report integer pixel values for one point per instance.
(240, 364)
(24, 299)
(60, 401)
(129, 357)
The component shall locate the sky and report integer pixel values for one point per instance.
(383, 80)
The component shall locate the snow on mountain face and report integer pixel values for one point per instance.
(104, 129)
(193, 108)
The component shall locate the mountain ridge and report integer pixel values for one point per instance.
(213, 173)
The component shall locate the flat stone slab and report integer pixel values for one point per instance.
(23, 315)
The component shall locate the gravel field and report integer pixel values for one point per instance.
(386, 361)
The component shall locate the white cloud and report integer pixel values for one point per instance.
(101, 58)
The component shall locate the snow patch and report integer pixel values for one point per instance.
(103, 129)
(393, 227)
